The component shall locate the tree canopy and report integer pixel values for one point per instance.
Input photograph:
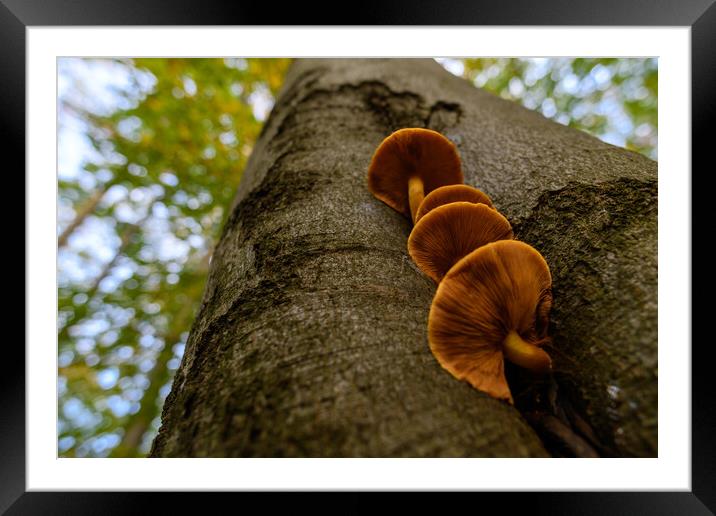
(151, 152)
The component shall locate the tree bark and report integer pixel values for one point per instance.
(312, 335)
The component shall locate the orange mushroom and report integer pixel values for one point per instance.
(409, 164)
(493, 304)
(451, 193)
(451, 231)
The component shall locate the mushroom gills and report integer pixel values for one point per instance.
(485, 310)
(409, 164)
(451, 231)
(449, 194)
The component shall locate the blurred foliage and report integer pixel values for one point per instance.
(150, 155)
(161, 157)
(613, 99)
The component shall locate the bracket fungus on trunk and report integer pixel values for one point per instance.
(494, 293)
(409, 164)
(493, 304)
(451, 231)
(451, 193)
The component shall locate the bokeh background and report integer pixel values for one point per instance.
(150, 155)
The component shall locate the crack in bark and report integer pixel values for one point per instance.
(576, 227)
(395, 109)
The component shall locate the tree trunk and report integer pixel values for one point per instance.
(312, 335)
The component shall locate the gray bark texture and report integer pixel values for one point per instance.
(312, 335)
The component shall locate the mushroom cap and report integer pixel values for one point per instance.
(451, 231)
(407, 153)
(451, 193)
(498, 288)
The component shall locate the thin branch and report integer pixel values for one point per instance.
(85, 210)
(126, 238)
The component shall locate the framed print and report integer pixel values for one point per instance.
(412, 252)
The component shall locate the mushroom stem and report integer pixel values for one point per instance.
(416, 193)
(526, 355)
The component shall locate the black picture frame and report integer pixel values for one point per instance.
(700, 15)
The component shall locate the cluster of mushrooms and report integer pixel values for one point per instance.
(494, 293)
